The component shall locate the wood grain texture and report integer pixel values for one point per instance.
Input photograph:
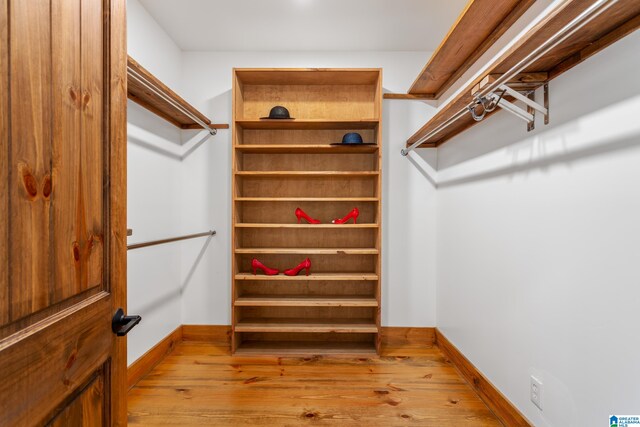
(30, 152)
(477, 28)
(496, 401)
(33, 383)
(415, 97)
(70, 268)
(620, 19)
(218, 334)
(117, 202)
(5, 118)
(201, 384)
(308, 124)
(90, 234)
(87, 409)
(141, 95)
(145, 363)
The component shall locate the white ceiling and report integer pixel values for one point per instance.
(306, 25)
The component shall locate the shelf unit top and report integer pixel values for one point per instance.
(619, 20)
(308, 76)
(479, 25)
(162, 106)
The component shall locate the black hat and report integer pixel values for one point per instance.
(278, 112)
(352, 138)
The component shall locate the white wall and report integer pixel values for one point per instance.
(408, 197)
(179, 183)
(153, 195)
(537, 246)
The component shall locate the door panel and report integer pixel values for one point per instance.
(86, 409)
(30, 154)
(77, 146)
(44, 364)
(62, 211)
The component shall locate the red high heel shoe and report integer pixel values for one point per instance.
(255, 264)
(306, 264)
(301, 214)
(353, 214)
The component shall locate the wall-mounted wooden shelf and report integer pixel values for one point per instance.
(305, 301)
(306, 149)
(479, 25)
(309, 251)
(161, 100)
(308, 124)
(351, 277)
(617, 21)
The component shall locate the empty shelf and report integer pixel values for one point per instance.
(305, 301)
(304, 348)
(341, 326)
(306, 199)
(307, 174)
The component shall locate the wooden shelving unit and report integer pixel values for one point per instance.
(279, 165)
(148, 91)
(619, 20)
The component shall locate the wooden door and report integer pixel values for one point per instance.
(62, 211)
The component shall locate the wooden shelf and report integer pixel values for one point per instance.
(308, 124)
(305, 301)
(616, 22)
(305, 226)
(477, 28)
(334, 310)
(300, 325)
(306, 199)
(309, 251)
(305, 348)
(306, 149)
(159, 105)
(313, 277)
(307, 174)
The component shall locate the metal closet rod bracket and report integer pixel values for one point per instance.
(589, 14)
(496, 99)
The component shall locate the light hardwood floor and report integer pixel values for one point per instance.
(201, 384)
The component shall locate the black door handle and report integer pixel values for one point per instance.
(121, 324)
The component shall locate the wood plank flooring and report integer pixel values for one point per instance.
(201, 384)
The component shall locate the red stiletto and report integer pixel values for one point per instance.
(301, 214)
(306, 264)
(353, 214)
(255, 264)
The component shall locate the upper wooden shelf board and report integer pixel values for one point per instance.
(479, 25)
(308, 76)
(162, 101)
(308, 124)
(618, 20)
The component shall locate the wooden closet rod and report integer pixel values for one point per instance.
(172, 239)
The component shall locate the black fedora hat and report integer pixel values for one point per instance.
(352, 138)
(278, 112)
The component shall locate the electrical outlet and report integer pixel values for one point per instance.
(536, 392)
